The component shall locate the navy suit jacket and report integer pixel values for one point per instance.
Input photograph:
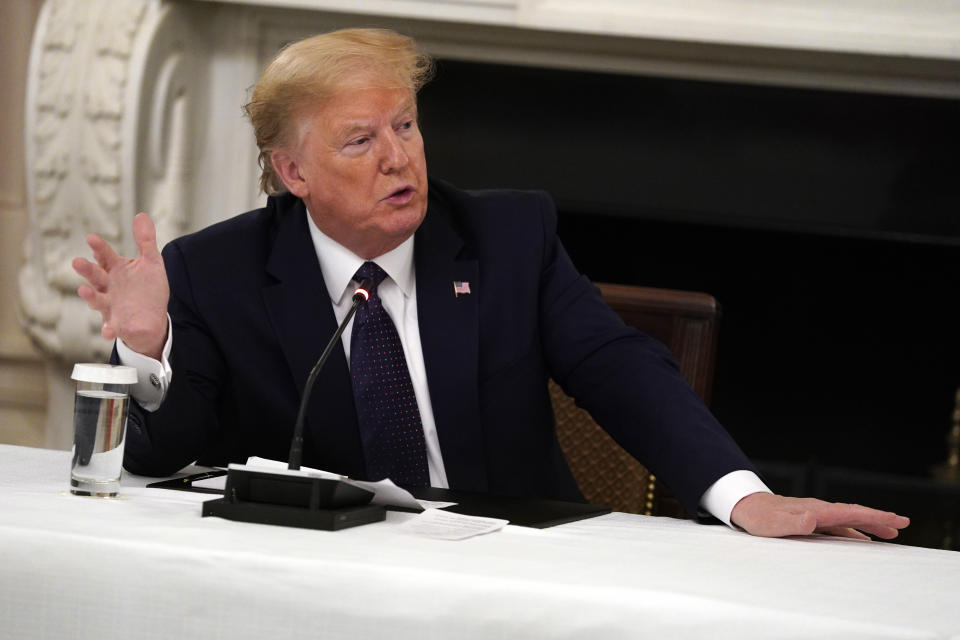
(251, 315)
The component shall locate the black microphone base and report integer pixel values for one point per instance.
(326, 519)
(291, 499)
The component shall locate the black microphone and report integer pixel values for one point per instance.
(290, 497)
(360, 295)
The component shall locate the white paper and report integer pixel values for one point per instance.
(435, 504)
(276, 465)
(388, 494)
(219, 483)
(443, 525)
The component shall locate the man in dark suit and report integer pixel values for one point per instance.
(473, 295)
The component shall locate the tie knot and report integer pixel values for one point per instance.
(370, 270)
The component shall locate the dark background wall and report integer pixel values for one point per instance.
(826, 223)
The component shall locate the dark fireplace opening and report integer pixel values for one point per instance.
(826, 223)
(838, 350)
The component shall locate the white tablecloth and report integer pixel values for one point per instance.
(146, 565)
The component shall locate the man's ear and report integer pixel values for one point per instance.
(287, 166)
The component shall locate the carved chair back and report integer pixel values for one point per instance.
(686, 322)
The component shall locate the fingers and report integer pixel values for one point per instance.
(883, 524)
(881, 531)
(92, 273)
(99, 302)
(105, 255)
(145, 235)
(107, 332)
(94, 299)
(843, 532)
(854, 521)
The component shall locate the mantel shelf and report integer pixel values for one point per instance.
(891, 47)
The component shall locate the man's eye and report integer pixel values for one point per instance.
(359, 141)
(406, 125)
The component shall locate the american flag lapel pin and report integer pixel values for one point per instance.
(461, 287)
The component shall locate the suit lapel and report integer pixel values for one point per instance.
(449, 335)
(300, 310)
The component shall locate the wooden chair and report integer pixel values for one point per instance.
(686, 322)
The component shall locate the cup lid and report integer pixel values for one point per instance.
(104, 373)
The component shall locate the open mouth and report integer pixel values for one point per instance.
(401, 194)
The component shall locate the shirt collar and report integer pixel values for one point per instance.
(338, 264)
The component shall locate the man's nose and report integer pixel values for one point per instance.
(393, 156)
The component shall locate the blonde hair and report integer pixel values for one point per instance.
(306, 72)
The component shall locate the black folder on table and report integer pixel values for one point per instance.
(185, 483)
(526, 512)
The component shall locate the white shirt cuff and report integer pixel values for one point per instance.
(724, 494)
(153, 376)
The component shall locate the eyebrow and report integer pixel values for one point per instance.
(353, 127)
(363, 124)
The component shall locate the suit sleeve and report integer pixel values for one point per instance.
(627, 380)
(162, 442)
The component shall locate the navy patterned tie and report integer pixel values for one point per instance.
(390, 426)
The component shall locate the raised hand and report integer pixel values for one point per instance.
(773, 516)
(131, 294)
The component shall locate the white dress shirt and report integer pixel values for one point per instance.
(398, 294)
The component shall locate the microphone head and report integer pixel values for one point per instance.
(362, 293)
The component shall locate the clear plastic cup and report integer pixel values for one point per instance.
(99, 424)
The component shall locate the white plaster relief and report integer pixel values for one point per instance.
(103, 111)
(164, 174)
(89, 63)
(54, 101)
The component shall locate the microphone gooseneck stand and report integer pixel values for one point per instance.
(290, 497)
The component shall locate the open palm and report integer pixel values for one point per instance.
(131, 294)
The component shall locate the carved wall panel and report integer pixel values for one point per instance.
(106, 94)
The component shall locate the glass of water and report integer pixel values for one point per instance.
(99, 423)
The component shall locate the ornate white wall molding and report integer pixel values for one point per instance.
(106, 134)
